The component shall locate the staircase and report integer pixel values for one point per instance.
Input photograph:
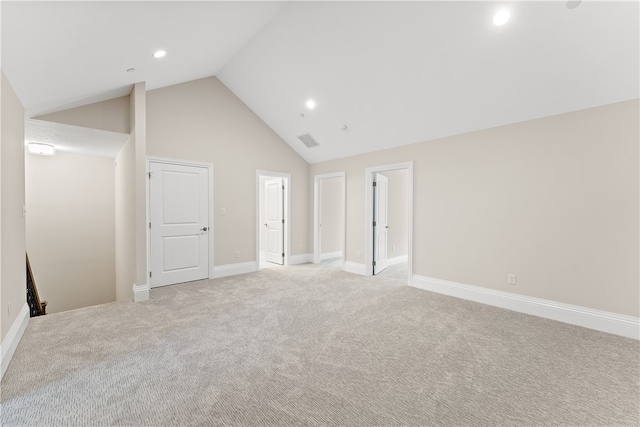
(36, 307)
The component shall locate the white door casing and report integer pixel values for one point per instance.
(274, 220)
(317, 213)
(179, 223)
(380, 221)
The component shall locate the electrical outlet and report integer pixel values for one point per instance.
(237, 254)
(359, 254)
(511, 279)
(223, 211)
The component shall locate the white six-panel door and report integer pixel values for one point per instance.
(179, 217)
(380, 217)
(274, 216)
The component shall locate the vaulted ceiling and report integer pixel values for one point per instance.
(382, 74)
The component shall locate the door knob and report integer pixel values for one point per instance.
(204, 229)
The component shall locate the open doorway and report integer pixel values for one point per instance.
(329, 218)
(272, 218)
(389, 218)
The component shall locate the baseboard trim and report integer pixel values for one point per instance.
(140, 292)
(330, 255)
(300, 259)
(234, 269)
(11, 341)
(397, 259)
(604, 321)
(354, 267)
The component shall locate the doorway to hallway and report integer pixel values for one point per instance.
(272, 218)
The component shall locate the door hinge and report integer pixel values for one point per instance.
(149, 173)
(283, 187)
(149, 274)
(374, 263)
(149, 225)
(283, 220)
(282, 254)
(374, 223)
(375, 183)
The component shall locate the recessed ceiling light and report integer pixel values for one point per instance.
(302, 116)
(41, 149)
(130, 70)
(344, 128)
(501, 17)
(311, 104)
(159, 53)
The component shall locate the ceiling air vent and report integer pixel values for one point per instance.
(308, 140)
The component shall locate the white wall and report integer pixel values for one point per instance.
(398, 213)
(331, 215)
(554, 201)
(203, 121)
(13, 273)
(125, 224)
(71, 229)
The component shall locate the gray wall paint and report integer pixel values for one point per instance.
(554, 201)
(71, 229)
(203, 121)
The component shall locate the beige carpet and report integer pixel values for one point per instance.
(309, 345)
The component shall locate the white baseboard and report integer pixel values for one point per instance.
(10, 342)
(330, 255)
(604, 321)
(397, 259)
(300, 259)
(140, 292)
(234, 269)
(354, 267)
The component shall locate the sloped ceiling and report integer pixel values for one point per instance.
(393, 73)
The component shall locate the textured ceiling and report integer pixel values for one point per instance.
(394, 73)
(74, 139)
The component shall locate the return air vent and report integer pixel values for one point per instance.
(308, 140)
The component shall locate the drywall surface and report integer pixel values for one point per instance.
(13, 279)
(71, 229)
(204, 121)
(125, 224)
(112, 115)
(331, 215)
(398, 213)
(553, 201)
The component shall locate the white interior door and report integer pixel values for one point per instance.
(274, 217)
(380, 221)
(179, 223)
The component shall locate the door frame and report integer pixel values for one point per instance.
(287, 212)
(317, 206)
(209, 167)
(368, 212)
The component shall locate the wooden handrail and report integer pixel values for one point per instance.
(36, 307)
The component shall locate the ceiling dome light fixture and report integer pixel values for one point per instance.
(159, 53)
(572, 4)
(41, 149)
(311, 104)
(501, 17)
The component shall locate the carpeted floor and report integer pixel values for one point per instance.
(311, 345)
